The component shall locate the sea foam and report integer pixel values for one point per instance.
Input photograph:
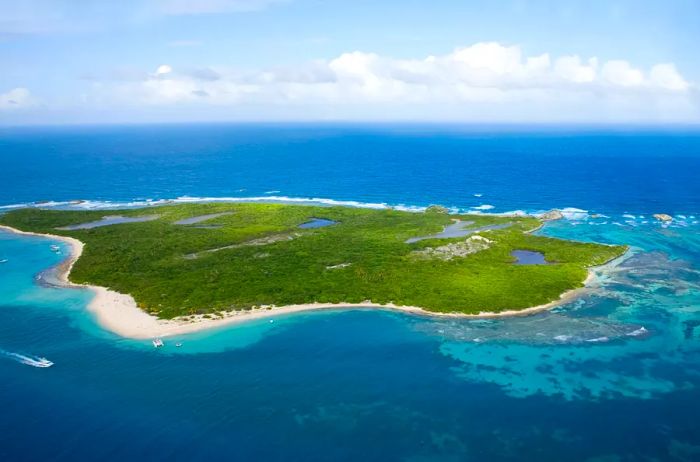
(571, 214)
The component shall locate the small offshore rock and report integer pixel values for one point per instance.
(663, 217)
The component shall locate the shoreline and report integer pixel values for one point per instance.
(119, 313)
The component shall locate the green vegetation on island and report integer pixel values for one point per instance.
(254, 254)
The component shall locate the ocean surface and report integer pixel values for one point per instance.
(611, 376)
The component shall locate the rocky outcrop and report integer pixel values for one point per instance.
(663, 217)
(437, 209)
(552, 215)
(473, 244)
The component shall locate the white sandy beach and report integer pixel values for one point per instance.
(119, 313)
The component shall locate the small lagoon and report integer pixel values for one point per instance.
(201, 218)
(458, 229)
(111, 220)
(317, 223)
(529, 257)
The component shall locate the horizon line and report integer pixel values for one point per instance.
(368, 123)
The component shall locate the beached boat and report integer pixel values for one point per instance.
(157, 342)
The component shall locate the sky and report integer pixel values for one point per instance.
(498, 61)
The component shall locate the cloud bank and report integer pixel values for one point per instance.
(483, 74)
(486, 81)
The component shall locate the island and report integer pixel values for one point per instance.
(177, 268)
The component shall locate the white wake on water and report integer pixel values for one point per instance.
(34, 361)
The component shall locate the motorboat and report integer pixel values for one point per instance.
(42, 362)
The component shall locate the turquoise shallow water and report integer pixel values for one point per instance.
(612, 376)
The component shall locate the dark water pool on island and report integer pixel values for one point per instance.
(200, 219)
(528, 257)
(612, 376)
(109, 221)
(458, 229)
(317, 223)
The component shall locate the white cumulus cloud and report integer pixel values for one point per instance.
(572, 69)
(164, 69)
(666, 76)
(17, 98)
(622, 73)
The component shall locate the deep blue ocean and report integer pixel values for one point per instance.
(611, 376)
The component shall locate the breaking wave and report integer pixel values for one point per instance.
(572, 214)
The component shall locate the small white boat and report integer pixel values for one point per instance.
(55, 248)
(4, 260)
(178, 345)
(157, 343)
(42, 362)
(34, 361)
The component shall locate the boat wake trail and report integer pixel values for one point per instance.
(34, 361)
